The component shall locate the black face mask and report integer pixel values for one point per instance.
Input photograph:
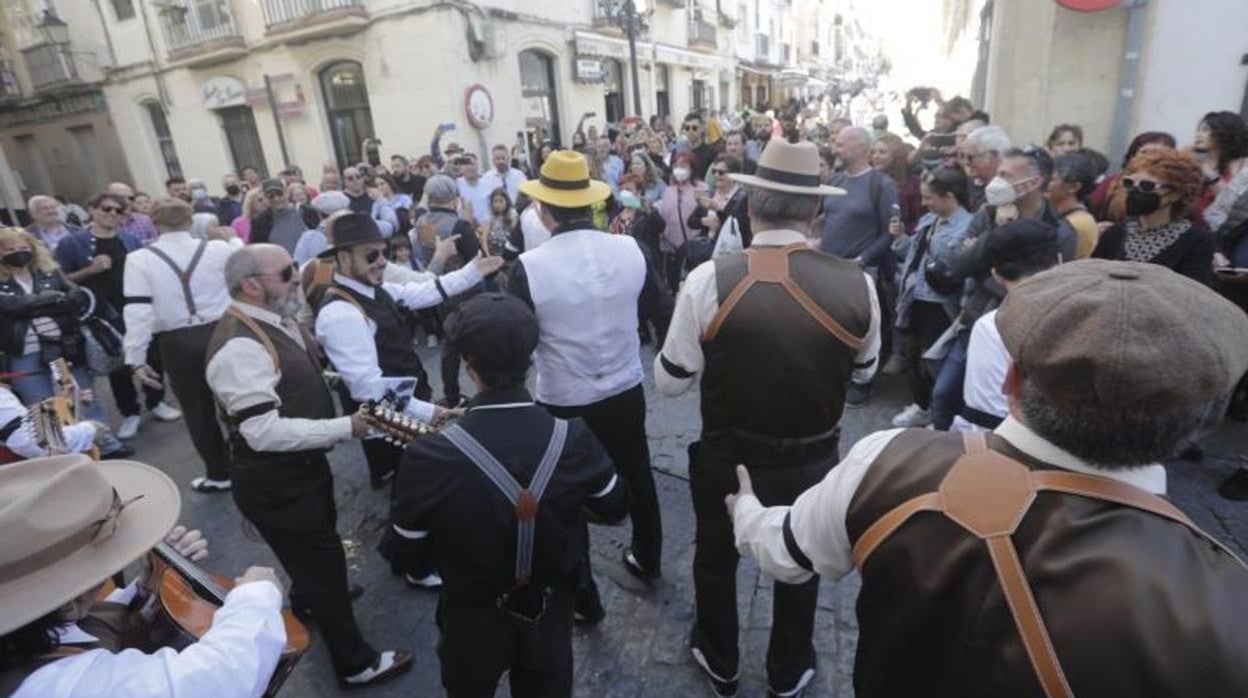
(1142, 203)
(233, 190)
(18, 259)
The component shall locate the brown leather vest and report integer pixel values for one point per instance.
(1135, 604)
(301, 387)
(780, 352)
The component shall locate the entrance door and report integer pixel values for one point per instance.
(613, 89)
(240, 132)
(539, 101)
(346, 105)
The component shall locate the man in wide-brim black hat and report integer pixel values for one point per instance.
(777, 332)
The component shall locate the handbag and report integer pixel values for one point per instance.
(103, 346)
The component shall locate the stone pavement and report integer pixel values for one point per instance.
(639, 650)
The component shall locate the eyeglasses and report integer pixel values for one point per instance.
(692, 127)
(373, 255)
(287, 274)
(112, 209)
(1147, 186)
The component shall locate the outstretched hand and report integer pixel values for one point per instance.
(746, 488)
(488, 265)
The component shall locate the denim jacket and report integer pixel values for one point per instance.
(946, 240)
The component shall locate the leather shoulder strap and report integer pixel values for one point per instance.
(261, 336)
(771, 265)
(339, 293)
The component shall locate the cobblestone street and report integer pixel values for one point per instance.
(640, 649)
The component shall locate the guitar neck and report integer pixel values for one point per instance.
(195, 575)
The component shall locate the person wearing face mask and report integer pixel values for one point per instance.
(230, 206)
(264, 372)
(366, 337)
(39, 323)
(677, 203)
(1019, 188)
(638, 219)
(1160, 186)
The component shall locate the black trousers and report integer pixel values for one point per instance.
(290, 501)
(712, 476)
(184, 352)
(450, 372)
(928, 321)
(619, 423)
(479, 643)
(382, 457)
(126, 395)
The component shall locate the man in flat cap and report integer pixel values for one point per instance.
(497, 503)
(1042, 558)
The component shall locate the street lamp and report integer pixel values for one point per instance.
(624, 15)
(53, 29)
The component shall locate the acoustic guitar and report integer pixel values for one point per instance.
(187, 597)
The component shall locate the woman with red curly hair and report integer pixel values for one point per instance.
(1158, 190)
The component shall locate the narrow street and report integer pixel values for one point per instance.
(640, 649)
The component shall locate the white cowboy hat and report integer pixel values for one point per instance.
(68, 523)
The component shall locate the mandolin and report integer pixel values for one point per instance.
(188, 598)
(398, 428)
(67, 401)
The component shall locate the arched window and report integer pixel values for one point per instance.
(164, 139)
(537, 90)
(346, 107)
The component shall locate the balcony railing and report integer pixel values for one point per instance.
(701, 33)
(762, 47)
(50, 65)
(196, 24)
(279, 12)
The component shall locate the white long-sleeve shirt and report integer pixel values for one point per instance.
(699, 302)
(347, 335)
(22, 440)
(817, 517)
(154, 298)
(242, 374)
(234, 659)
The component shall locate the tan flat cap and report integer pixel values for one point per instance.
(1124, 334)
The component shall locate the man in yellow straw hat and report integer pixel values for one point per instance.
(583, 285)
(777, 332)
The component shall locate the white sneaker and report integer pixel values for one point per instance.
(913, 416)
(166, 412)
(129, 427)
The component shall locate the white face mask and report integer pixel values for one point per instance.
(1000, 192)
(681, 174)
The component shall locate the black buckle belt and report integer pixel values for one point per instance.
(779, 442)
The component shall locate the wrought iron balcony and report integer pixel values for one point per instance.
(701, 34)
(307, 19)
(200, 32)
(50, 65)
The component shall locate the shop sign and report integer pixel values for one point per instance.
(589, 70)
(223, 91)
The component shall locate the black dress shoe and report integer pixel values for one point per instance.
(304, 613)
(588, 609)
(390, 663)
(123, 452)
(1236, 486)
(636, 569)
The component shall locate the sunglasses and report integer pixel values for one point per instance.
(287, 274)
(1147, 186)
(373, 255)
(111, 209)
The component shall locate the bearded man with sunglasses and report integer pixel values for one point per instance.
(369, 340)
(265, 373)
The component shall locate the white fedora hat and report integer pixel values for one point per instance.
(792, 168)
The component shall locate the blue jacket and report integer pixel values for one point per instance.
(76, 252)
(945, 243)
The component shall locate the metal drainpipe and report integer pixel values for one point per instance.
(157, 77)
(1126, 84)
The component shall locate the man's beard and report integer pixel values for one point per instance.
(286, 306)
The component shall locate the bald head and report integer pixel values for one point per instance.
(121, 189)
(853, 145)
(263, 275)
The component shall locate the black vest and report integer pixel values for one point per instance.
(396, 353)
(773, 373)
(301, 386)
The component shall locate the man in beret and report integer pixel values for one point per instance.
(1043, 558)
(509, 553)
